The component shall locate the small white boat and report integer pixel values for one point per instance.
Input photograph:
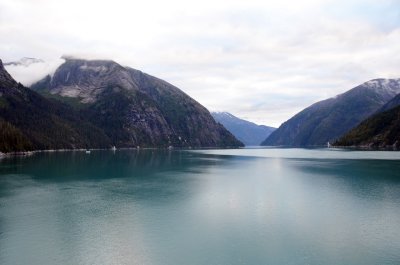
(114, 148)
(87, 151)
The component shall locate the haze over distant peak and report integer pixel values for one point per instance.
(25, 61)
(249, 133)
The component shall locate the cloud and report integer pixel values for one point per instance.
(260, 60)
(28, 74)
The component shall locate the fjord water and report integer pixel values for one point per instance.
(246, 206)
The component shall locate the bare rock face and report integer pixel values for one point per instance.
(28, 121)
(134, 108)
(86, 80)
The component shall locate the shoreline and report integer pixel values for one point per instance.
(368, 147)
(30, 153)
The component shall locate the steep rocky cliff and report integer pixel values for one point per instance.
(134, 108)
(29, 121)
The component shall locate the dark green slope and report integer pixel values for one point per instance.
(330, 119)
(12, 139)
(33, 122)
(380, 130)
(134, 108)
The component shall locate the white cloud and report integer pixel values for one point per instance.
(33, 72)
(261, 60)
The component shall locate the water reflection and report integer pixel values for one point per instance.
(100, 164)
(179, 207)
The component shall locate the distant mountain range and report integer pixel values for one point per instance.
(330, 119)
(249, 133)
(99, 104)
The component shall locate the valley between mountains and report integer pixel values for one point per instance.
(89, 104)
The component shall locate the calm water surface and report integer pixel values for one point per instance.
(248, 206)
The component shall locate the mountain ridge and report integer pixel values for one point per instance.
(394, 102)
(249, 133)
(135, 108)
(329, 119)
(380, 130)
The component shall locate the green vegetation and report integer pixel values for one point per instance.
(71, 101)
(3, 102)
(12, 139)
(109, 113)
(129, 109)
(46, 123)
(329, 119)
(380, 130)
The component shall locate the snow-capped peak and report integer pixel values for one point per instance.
(388, 85)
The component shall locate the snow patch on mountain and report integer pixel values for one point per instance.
(390, 85)
(94, 68)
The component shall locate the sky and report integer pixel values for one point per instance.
(260, 60)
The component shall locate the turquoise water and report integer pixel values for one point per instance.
(247, 206)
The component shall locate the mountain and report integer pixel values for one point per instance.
(29, 121)
(134, 108)
(25, 61)
(329, 119)
(380, 130)
(394, 102)
(247, 132)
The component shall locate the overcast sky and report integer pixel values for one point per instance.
(260, 60)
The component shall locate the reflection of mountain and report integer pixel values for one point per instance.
(357, 174)
(100, 165)
(195, 205)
